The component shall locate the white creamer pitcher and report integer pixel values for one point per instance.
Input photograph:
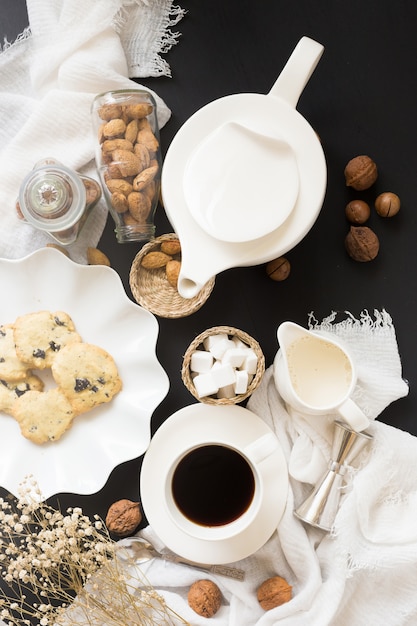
(244, 179)
(316, 375)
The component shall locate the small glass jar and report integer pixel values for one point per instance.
(57, 200)
(128, 160)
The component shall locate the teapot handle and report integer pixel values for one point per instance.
(297, 71)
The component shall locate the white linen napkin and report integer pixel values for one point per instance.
(362, 573)
(73, 50)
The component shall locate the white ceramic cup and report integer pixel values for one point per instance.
(255, 489)
(214, 490)
(316, 375)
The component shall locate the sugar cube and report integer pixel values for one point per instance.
(219, 347)
(250, 364)
(205, 385)
(235, 356)
(201, 361)
(242, 380)
(211, 340)
(223, 375)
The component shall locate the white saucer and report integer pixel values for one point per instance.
(183, 430)
(241, 184)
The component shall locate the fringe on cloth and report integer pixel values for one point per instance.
(143, 54)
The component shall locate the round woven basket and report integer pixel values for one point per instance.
(198, 343)
(151, 289)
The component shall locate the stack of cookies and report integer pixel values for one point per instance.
(85, 375)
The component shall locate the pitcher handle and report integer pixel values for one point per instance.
(353, 415)
(297, 71)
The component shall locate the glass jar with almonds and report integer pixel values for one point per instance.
(128, 160)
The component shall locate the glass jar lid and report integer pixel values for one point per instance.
(52, 198)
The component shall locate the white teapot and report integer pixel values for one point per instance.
(244, 178)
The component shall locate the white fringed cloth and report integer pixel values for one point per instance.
(72, 51)
(363, 572)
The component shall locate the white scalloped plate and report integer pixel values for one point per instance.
(99, 440)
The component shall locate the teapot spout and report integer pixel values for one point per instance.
(188, 288)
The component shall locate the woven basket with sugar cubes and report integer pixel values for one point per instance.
(223, 365)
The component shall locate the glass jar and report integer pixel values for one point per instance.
(57, 200)
(128, 160)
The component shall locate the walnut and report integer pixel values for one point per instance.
(123, 517)
(274, 592)
(278, 269)
(387, 204)
(361, 243)
(205, 598)
(361, 173)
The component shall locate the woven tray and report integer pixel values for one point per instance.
(151, 289)
(197, 343)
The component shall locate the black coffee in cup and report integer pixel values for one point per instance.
(213, 485)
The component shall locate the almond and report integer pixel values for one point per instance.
(97, 257)
(171, 246)
(114, 128)
(110, 111)
(172, 270)
(139, 205)
(119, 184)
(132, 131)
(145, 177)
(155, 260)
(148, 139)
(137, 111)
(128, 163)
(119, 202)
(143, 155)
(114, 144)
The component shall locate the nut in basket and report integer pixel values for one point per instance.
(223, 365)
(153, 277)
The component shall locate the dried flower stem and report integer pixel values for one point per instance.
(63, 569)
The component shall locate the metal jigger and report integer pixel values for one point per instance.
(321, 506)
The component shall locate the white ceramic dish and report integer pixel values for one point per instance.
(103, 314)
(184, 429)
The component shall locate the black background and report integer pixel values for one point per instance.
(361, 99)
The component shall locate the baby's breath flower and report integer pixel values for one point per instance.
(67, 562)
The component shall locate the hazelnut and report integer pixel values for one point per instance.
(387, 204)
(361, 243)
(274, 592)
(205, 598)
(123, 517)
(357, 211)
(278, 269)
(361, 173)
